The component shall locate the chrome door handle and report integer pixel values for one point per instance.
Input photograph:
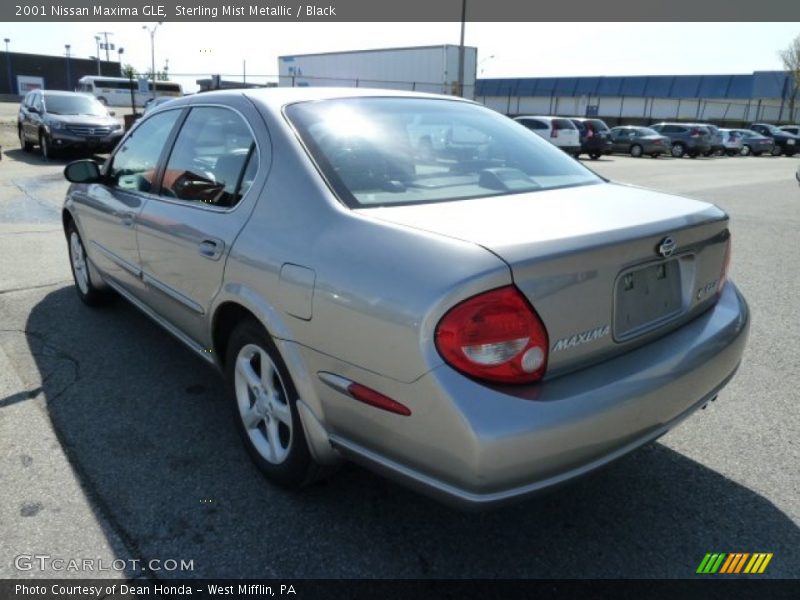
(127, 218)
(211, 248)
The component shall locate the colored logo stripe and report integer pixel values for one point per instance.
(734, 562)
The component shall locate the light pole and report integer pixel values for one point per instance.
(69, 75)
(120, 52)
(152, 33)
(107, 46)
(461, 49)
(97, 43)
(8, 64)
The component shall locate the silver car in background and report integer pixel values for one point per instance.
(732, 141)
(410, 281)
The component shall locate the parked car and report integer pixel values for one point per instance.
(60, 121)
(754, 143)
(153, 103)
(686, 139)
(717, 145)
(481, 322)
(732, 141)
(637, 141)
(793, 129)
(785, 142)
(594, 137)
(558, 131)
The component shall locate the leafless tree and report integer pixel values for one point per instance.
(790, 56)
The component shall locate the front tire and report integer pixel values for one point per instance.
(745, 151)
(88, 291)
(263, 398)
(44, 146)
(24, 143)
(776, 151)
(636, 151)
(678, 150)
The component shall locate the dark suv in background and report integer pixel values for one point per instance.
(60, 121)
(785, 142)
(595, 137)
(686, 139)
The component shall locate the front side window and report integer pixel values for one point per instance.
(133, 167)
(534, 124)
(385, 151)
(211, 159)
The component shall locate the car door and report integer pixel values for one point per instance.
(619, 140)
(185, 234)
(108, 211)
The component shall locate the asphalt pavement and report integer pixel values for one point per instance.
(115, 441)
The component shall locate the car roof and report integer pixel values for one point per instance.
(277, 97)
(64, 93)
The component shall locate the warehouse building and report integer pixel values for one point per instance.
(730, 99)
(21, 72)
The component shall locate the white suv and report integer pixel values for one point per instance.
(558, 131)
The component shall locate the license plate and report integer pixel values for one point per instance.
(645, 297)
(790, 142)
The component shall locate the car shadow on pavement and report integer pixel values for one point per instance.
(34, 157)
(147, 429)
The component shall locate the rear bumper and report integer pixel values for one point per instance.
(494, 445)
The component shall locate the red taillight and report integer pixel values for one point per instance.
(496, 336)
(726, 261)
(369, 396)
(554, 130)
(695, 132)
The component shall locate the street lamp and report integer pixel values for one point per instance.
(487, 59)
(97, 43)
(8, 64)
(152, 33)
(120, 52)
(69, 74)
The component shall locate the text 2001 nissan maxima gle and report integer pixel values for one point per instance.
(413, 282)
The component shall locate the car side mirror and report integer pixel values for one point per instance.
(82, 171)
(112, 113)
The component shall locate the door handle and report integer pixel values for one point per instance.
(211, 248)
(127, 219)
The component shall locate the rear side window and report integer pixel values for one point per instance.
(563, 124)
(208, 162)
(533, 124)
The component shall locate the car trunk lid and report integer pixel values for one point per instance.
(608, 267)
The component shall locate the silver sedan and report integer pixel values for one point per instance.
(413, 282)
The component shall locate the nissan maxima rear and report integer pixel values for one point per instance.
(419, 284)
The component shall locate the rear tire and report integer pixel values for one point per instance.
(263, 398)
(776, 151)
(745, 151)
(594, 155)
(678, 150)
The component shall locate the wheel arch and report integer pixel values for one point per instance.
(232, 311)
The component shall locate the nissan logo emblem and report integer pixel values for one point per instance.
(667, 247)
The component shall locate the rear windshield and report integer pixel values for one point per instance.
(599, 125)
(647, 131)
(563, 124)
(388, 151)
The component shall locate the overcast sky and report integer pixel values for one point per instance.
(518, 49)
